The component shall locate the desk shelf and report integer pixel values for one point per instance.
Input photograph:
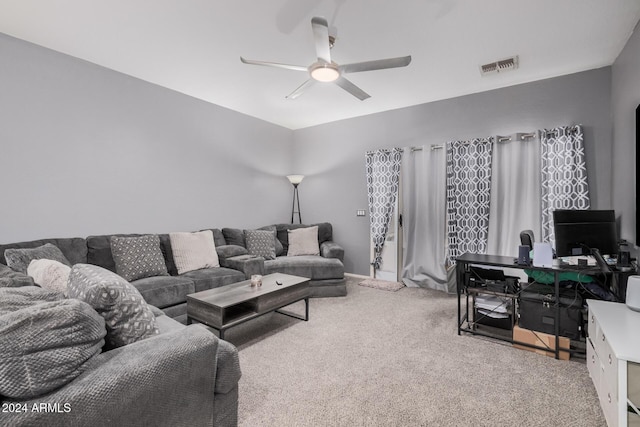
(467, 325)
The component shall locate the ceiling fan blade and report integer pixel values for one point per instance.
(296, 93)
(321, 36)
(274, 64)
(352, 89)
(378, 64)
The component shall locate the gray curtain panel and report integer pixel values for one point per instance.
(468, 195)
(515, 194)
(383, 176)
(424, 218)
(563, 174)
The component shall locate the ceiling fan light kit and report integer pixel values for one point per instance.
(325, 70)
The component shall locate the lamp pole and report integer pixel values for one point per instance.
(295, 180)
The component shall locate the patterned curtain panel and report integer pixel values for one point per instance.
(383, 176)
(564, 175)
(468, 195)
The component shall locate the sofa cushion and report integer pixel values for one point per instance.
(193, 251)
(261, 243)
(218, 237)
(19, 259)
(138, 257)
(209, 278)
(17, 298)
(73, 248)
(50, 274)
(127, 316)
(303, 241)
(313, 267)
(46, 345)
(164, 291)
(229, 251)
(13, 279)
(234, 236)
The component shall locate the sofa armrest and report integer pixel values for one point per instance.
(331, 249)
(248, 264)
(167, 379)
(228, 369)
(12, 279)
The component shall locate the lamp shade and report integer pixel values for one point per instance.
(295, 179)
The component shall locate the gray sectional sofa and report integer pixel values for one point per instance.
(184, 375)
(326, 271)
(128, 385)
(168, 293)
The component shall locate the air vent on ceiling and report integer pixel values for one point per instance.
(499, 66)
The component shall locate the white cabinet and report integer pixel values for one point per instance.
(613, 360)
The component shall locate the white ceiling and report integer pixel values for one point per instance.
(194, 46)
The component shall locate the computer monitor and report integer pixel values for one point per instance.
(579, 231)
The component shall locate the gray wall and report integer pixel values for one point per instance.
(332, 155)
(86, 150)
(625, 92)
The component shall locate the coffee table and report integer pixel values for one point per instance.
(227, 306)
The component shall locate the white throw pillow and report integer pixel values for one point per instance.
(193, 251)
(303, 241)
(49, 274)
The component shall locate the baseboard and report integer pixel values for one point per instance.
(356, 276)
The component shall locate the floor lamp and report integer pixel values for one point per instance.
(295, 180)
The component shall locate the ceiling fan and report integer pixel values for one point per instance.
(325, 70)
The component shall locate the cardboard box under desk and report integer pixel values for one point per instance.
(542, 340)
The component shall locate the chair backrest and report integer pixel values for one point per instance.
(526, 238)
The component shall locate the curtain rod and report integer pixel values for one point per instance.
(432, 147)
(519, 136)
(571, 129)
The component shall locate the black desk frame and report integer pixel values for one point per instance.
(464, 262)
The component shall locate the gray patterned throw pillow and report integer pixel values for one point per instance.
(127, 316)
(138, 257)
(19, 259)
(261, 243)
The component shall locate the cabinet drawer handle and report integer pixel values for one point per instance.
(610, 361)
(603, 337)
(593, 358)
(609, 397)
(592, 318)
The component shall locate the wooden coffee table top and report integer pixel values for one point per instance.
(230, 295)
(229, 305)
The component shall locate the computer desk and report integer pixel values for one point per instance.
(467, 260)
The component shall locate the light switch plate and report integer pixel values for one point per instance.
(361, 212)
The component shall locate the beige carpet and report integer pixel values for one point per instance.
(394, 359)
(385, 285)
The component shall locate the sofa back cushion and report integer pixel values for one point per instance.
(325, 232)
(74, 248)
(234, 236)
(218, 237)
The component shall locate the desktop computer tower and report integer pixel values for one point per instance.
(537, 310)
